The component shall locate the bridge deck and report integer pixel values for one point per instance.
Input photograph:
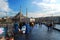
(40, 33)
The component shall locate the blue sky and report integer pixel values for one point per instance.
(36, 8)
(15, 5)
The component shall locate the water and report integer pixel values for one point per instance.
(57, 26)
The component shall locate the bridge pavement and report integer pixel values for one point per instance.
(40, 33)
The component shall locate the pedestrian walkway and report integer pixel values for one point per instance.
(40, 33)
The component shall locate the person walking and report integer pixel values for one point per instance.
(16, 27)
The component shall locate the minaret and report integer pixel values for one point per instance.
(27, 16)
(26, 13)
(20, 13)
(20, 10)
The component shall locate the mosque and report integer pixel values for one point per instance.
(21, 18)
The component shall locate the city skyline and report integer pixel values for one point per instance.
(35, 8)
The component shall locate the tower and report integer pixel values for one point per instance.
(20, 10)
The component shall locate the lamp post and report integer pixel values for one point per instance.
(6, 18)
(52, 21)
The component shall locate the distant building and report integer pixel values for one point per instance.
(55, 19)
(0, 19)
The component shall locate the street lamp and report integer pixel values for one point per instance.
(6, 17)
(52, 20)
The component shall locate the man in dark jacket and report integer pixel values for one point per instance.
(16, 27)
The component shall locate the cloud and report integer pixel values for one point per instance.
(48, 7)
(49, 1)
(2, 14)
(4, 8)
(38, 14)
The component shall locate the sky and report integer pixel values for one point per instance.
(35, 8)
